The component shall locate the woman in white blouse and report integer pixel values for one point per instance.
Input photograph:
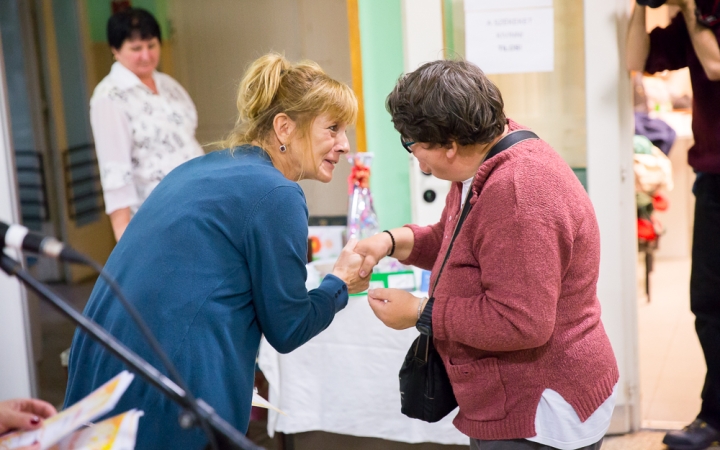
(143, 121)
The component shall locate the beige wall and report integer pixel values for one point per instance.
(551, 103)
(214, 41)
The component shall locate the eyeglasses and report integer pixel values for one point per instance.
(406, 144)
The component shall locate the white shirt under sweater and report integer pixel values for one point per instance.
(556, 422)
(139, 136)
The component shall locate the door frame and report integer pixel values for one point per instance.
(17, 370)
(610, 175)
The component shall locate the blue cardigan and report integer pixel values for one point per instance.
(213, 259)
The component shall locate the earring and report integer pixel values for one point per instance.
(283, 149)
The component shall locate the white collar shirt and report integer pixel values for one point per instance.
(140, 136)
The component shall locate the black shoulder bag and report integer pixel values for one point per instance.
(425, 390)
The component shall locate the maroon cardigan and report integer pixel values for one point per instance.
(516, 310)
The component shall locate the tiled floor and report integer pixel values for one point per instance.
(672, 367)
(643, 440)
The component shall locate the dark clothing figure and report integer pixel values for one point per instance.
(672, 48)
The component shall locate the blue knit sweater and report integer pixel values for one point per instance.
(213, 259)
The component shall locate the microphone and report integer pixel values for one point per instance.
(20, 238)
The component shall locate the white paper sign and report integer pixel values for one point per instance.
(473, 5)
(510, 40)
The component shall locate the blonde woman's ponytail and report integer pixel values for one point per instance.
(260, 85)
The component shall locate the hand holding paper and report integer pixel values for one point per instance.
(24, 414)
(57, 427)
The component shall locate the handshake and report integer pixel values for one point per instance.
(396, 308)
(357, 260)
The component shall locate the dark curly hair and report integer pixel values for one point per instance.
(444, 101)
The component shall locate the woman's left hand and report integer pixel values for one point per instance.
(24, 414)
(394, 307)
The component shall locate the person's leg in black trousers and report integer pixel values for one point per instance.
(705, 304)
(705, 291)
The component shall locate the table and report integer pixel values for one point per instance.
(345, 380)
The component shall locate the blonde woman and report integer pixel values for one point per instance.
(226, 263)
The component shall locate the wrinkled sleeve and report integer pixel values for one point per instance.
(113, 146)
(276, 249)
(668, 47)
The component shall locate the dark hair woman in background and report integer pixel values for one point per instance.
(143, 121)
(216, 256)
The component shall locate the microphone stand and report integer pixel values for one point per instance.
(226, 436)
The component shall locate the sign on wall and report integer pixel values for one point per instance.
(514, 37)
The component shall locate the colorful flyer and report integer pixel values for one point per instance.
(115, 433)
(99, 402)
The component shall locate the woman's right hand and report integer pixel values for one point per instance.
(347, 268)
(373, 249)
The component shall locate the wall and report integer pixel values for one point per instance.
(381, 42)
(63, 67)
(551, 103)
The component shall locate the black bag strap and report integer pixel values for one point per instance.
(505, 143)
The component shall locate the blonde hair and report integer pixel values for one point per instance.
(303, 91)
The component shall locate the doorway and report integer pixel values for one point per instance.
(672, 366)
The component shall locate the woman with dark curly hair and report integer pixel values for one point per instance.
(515, 316)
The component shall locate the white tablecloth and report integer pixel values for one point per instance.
(345, 381)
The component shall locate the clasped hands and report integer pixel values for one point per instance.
(396, 308)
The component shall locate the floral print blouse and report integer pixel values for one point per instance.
(140, 136)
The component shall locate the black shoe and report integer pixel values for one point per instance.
(696, 436)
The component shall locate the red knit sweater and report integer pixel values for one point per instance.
(516, 310)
